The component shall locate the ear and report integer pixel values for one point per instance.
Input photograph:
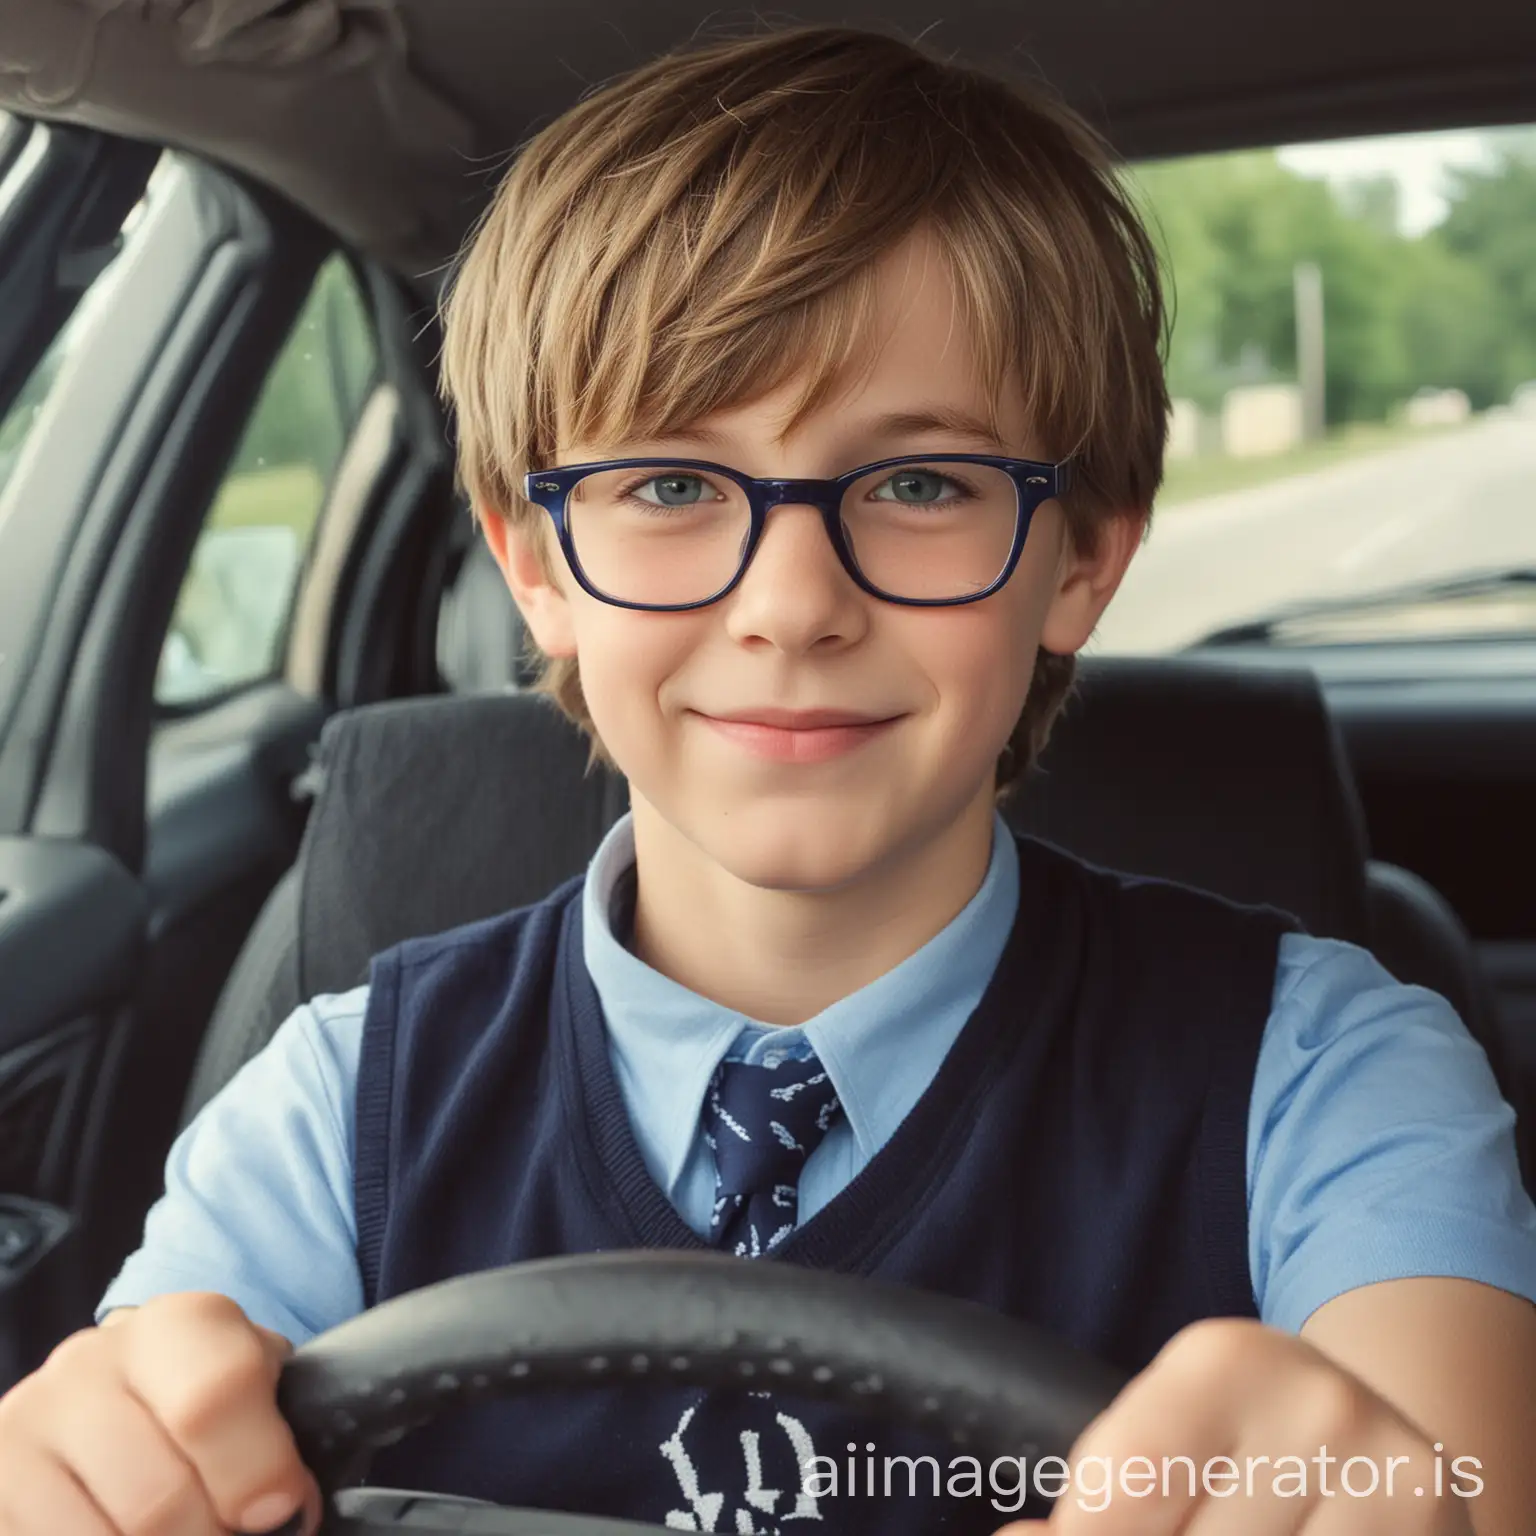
(1087, 580)
(545, 608)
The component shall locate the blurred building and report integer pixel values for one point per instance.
(1259, 419)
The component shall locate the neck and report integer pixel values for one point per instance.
(782, 957)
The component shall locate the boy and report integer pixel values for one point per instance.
(1239, 1161)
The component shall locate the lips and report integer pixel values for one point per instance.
(799, 719)
(798, 735)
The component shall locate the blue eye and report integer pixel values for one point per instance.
(920, 487)
(675, 489)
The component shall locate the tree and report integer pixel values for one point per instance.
(1455, 307)
(318, 382)
(1235, 228)
(1492, 227)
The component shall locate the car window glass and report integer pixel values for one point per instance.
(1353, 370)
(231, 617)
(24, 412)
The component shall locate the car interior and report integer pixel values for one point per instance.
(226, 226)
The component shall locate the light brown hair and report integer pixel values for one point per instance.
(699, 231)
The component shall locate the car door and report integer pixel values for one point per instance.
(72, 918)
(212, 464)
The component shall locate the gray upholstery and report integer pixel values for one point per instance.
(479, 633)
(1417, 935)
(485, 805)
(1228, 778)
(261, 991)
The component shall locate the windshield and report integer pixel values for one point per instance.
(1353, 369)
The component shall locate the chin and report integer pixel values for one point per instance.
(801, 845)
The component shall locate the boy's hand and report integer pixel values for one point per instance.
(163, 1421)
(1287, 1419)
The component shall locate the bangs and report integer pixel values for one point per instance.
(711, 231)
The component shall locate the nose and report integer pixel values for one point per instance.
(805, 493)
(795, 592)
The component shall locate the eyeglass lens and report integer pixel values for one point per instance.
(939, 529)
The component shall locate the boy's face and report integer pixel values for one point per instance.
(797, 634)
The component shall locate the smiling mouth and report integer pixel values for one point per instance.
(803, 736)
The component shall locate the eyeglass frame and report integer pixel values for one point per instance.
(1035, 481)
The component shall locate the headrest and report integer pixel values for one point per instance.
(436, 812)
(440, 811)
(1229, 778)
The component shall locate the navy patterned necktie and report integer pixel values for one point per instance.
(763, 1122)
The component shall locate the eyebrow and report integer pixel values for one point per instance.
(891, 424)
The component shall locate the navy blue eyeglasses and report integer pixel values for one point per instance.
(951, 531)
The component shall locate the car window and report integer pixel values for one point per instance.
(1353, 367)
(231, 618)
(17, 423)
(26, 409)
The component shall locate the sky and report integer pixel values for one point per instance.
(1417, 160)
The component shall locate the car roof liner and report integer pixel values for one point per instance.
(390, 119)
(320, 99)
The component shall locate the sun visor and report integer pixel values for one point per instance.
(319, 98)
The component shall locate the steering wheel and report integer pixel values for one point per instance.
(983, 1381)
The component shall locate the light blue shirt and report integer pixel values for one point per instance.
(881, 1046)
(1378, 1145)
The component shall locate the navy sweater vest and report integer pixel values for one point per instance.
(1079, 1161)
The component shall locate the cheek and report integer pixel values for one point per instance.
(626, 661)
(979, 660)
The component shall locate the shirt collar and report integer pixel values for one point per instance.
(881, 1045)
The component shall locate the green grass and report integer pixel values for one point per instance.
(1190, 479)
(288, 497)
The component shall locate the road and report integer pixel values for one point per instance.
(1458, 501)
